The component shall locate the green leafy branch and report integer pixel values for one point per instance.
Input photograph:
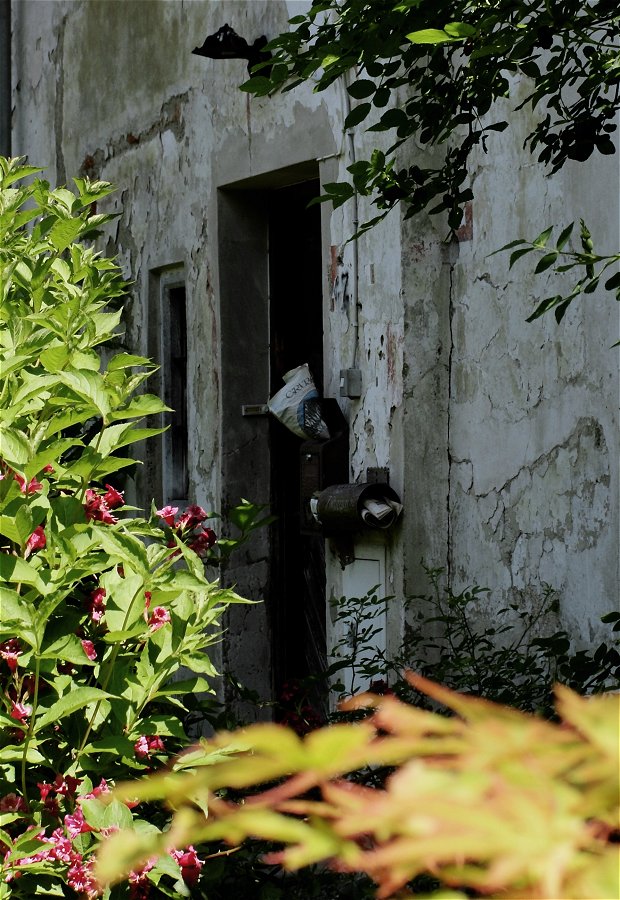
(561, 258)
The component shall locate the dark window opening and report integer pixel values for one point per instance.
(175, 381)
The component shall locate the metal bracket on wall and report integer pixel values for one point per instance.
(378, 475)
(254, 409)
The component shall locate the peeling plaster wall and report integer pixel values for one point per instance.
(501, 437)
(523, 448)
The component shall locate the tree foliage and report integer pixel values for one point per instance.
(435, 69)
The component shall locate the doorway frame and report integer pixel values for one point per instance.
(243, 235)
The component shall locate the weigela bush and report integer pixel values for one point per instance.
(100, 608)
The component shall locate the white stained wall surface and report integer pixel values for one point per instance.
(501, 437)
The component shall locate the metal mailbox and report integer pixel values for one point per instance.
(355, 507)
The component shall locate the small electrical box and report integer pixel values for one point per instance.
(351, 383)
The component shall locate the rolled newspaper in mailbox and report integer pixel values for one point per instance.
(351, 507)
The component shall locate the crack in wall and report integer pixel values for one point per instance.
(527, 523)
(170, 119)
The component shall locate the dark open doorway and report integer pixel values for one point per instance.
(296, 337)
(271, 321)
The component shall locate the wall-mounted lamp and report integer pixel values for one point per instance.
(227, 44)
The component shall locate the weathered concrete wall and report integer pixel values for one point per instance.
(501, 437)
(522, 448)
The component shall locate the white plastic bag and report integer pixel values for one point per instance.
(297, 405)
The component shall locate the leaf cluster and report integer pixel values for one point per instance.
(433, 71)
(562, 257)
(489, 800)
(513, 657)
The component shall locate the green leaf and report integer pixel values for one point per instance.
(460, 30)
(65, 231)
(613, 282)
(518, 242)
(19, 571)
(89, 386)
(429, 36)
(9, 529)
(546, 262)
(116, 436)
(67, 648)
(517, 254)
(329, 60)
(117, 745)
(565, 235)
(188, 686)
(362, 88)
(117, 815)
(258, 84)
(94, 811)
(144, 405)
(54, 358)
(17, 616)
(357, 115)
(14, 753)
(23, 523)
(119, 637)
(392, 118)
(127, 361)
(78, 698)
(14, 447)
(543, 237)
(125, 547)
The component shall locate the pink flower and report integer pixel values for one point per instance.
(189, 863)
(81, 878)
(140, 885)
(96, 792)
(147, 744)
(62, 848)
(89, 649)
(101, 789)
(159, 617)
(167, 513)
(135, 876)
(12, 803)
(203, 541)
(96, 605)
(50, 803)
(48, 469)
(76, 823)
(20, 712)
(9, 651)
(113, 498)
(45, 789)
(96, 508)
(36, 541)
(66, 785)
(193, 515)
(30, 487)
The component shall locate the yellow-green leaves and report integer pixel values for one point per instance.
(455, 31)
(493, 800)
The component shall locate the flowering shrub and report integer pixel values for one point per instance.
(100, 608)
